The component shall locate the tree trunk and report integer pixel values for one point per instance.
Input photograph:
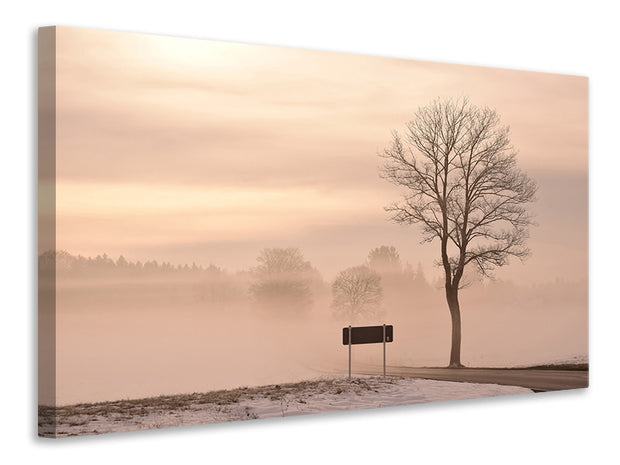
(455, 314)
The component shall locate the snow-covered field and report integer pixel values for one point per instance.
(316, 396)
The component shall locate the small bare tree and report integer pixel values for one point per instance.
(463, 188)
(356, 293)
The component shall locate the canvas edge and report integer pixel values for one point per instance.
(46, 226)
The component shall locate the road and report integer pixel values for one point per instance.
(535, 379)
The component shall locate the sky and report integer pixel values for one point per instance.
(189, 150)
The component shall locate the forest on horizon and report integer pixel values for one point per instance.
(293, 288)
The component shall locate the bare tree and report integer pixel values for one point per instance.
(463, 188)
(356, 293)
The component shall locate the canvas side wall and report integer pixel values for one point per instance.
(47, 230)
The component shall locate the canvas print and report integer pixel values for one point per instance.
(235, 232)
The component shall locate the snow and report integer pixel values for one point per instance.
(327, 394)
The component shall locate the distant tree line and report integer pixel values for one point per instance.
(285, 284)
(282, 283)
(79, 265)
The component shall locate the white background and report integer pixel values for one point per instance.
(564, 37)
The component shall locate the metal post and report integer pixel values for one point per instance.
(384, 350)
(349, 351)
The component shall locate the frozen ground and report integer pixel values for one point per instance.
(320, 395)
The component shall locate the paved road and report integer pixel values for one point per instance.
(537, 380)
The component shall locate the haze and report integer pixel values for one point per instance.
(192, 151)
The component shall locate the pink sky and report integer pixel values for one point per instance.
(190, 150)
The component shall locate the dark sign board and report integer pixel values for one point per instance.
(367, 334)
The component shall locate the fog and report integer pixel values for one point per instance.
(124, 333)
(187, 151)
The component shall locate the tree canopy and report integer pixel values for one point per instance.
(283, 279)
(384, 259)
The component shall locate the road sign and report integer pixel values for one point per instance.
(367, 334)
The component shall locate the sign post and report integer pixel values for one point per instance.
(368, 335)
(383, 350)
(350, 351)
